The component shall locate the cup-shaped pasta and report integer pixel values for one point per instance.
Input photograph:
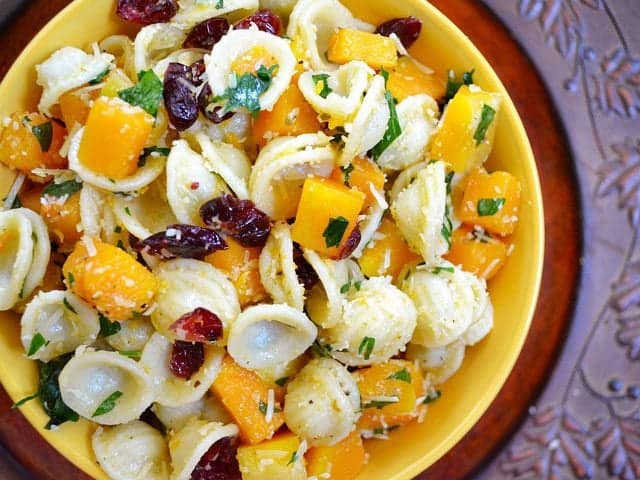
(405, 178)
(369, 125)
(188, 284)
(106, 387)
(237, 43)
(207, 408)
(147, 213)
(186, 56)
(373, 218)
(171, 390)
(66, 69)
(311, 24)
(325, 301)
(17, 256)
(378, 320)
(482, 322)
(229, 162)
(41, 251)
(121, 47)
(439, 363)
(264, 336)
(132, 336)
(96, 214)
(63, 322)
(191, 442)
(155, 42)
(196, 11)
(418, 117)
(445, 301)
(133, 183)
(278, 270)
(133, 451)
(348, 85)
(281, 169)
(189, 183)
(331, 390)
(419, 211)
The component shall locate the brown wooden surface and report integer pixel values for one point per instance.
(563, 248)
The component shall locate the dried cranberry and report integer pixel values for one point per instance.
(146, 12)
(197, 71)
(351, 244)
(407, 29)
(186, 358)
(219, 463)
(185, 241)
(240, 219)
(201, 325)
(307, 276)
(206, 34)
(265, 20)
(205, 100)
(179, 97)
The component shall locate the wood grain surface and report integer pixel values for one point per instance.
(560, 279)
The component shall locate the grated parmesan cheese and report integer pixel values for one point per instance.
(270, 406)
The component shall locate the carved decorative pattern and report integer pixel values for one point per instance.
(617, 85)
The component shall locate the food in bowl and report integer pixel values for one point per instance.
(272, 246)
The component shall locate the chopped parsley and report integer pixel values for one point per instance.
(393, 127)
(335, 231)
(135, 354)
(366, 347)
(68, 306)
(448, 180)
(37, 342)
(447, 227)
(490, 206)
(161, 151)
(120, 245)
(281, 382)
(293, 459)
(379, 404)
(401, 375)
(321, 350)
(49, 391)
(63, 189)
(44, 134)
(127, 211)
(432, 397)
(487, 116)
(19, 403)
(70, 279)
(108, 404)
(347, 286)
(107, 327)
(347, 171)
(324, 78)
(439, 270)
(453, 85)
(100, 77)
(247, 90)
(117, 229)
(147, 93)
(384, 431)
(219, 4)
(262, 406)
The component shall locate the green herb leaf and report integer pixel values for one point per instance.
(321, 350)
(379, 404)
(161, 151)
(294, 458)
(281, 382)
(439, 270)
(347, 171)
(247, 90)
(68, 306)
(490, 206)
(447, 227)
(108, 404)
(453, 85)
(117, 229)
(366, 347)
(44, 134)
(127, 211)
(120, 245)
(16, 202)
(432, 397)
(147, 93)
(384, 431)
(393, 129)
(357, 285)
(487, 116)
(49, 390)
(107, 327)
(219, 4)
(448, 180)
(324, 78)
(19, 403)
(345, 288)
(100, 77)
(37, 342)
(135, 354)
(70, 279)
(63, 189)
(262, 407)
(335, 231)
(402, 375)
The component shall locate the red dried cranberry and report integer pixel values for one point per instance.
(179, 97)
(206, 34)
(265, 20)
(219, 463)
(307, 276)
(201, 325)
(184, 241)
(407, 29)
(205, 101)
(186, 358)
(240, 219)
(146, 12)
(197, 71)
(351, 244)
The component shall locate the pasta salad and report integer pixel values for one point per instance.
(250, 237)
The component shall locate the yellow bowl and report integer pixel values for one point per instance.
(514, 291)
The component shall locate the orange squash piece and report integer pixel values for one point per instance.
(491, 201)
(114, 137)
(342, 461)
(240, 264)
(479, 254)
(109, 279)
(245, 395)
(275, 458)
(76, 104)
(62, 220)
(388, 253)
(362, 174)
(407, 79)
(30, 194)
(375, 50)
(251, 60)
(327, 214)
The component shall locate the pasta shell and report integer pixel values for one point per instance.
(133, 335)
(96, 214)
(155, 42)
(229, 162)
(205, 408)
(41, 251)
(192, 12)
(482, 322)
(121, 47)
(17, 256)
(439, 363)
(325, 302)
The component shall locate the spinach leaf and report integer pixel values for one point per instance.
(147, 93)
(49, 390)
(247, 90)
(335, 231)
(63, 189)
(44, 134)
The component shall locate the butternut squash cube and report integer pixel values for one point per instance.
(388, 253)
(464, 137)
(327, 214)
(251, 60)
(275, 459)
(363, 175)
(407, 79)
(114, 137)
(30, 194)
(479, 254)
(491, 201)
(246, 396)
(116, 81)
(375, 50)
(342, 461)
(76, 104)
(63, 220)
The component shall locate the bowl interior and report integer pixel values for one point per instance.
(514, 290)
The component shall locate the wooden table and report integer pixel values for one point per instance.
(563, 245)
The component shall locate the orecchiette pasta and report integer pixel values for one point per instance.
(132, 451)
(155, 42)
(482, 322)
(207, 408)
(133, 335)
(325, 301)
(196, 11)
(41, 251)
(322, 404)
(121, 47)
(440, 363)
(96, 214)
